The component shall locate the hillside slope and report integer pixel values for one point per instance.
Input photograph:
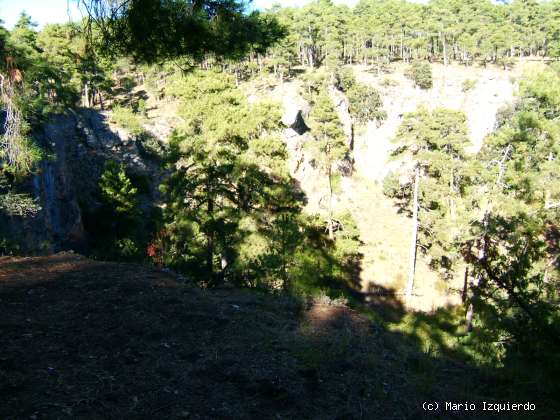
(384, 233)
(492, 89)
(85, 339)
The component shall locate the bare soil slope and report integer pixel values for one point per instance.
(93, 340)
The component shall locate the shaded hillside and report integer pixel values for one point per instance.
(84, 339)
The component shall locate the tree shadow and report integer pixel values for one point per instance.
(86, 339)
(133, 99)
(383, 301)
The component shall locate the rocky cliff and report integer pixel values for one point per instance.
(65, 182)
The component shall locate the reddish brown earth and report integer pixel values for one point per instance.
(90, 340)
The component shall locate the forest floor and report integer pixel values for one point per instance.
(94, 340)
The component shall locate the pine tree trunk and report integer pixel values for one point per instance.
(452, 211)
(445, 60)
(210, 243)
(352, 136)
(480, 280)
(86, 95)
(402, 45)
(413, 244)
(479, 283)
(469, 317)
(547, 193)
(331, 230)
(465, 293)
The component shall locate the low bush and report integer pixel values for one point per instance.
(388, 82)
(468, 85)
(421, 75)
(150, 147)
(127, 119)
(344, 79)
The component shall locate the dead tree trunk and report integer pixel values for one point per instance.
(330, 223)
(413, 244)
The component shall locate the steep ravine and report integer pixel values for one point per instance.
(82, 141)
(386, 234)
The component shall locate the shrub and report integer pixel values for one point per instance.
(344, 79)
(128, 83)
(150, 147)
(313, 83)
(365, 104)
(421, 75)
(506, 62)
(13, 203)
(468, 85)
(555, 66)
(388, 82)
(117, 189)
(142, 108)
(127, 119)
(120, 228)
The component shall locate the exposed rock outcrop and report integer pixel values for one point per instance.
(296, 110)
(493, 88)
(294, 120)
(78, 143)
(58, 224)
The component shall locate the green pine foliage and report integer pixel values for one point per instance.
(514, 235)
(496, 214)
(233, 214)
(13, 203)
(328, 148)
(421, 74)
(345, 79)
(116, 188)
(435, 142)
(119, 226)
(153, 31)
(329, 144)
(468, 85)
(230, 191)
(366, 104)
(314, 83)
(322, 33)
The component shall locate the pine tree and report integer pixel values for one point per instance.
(512, 245)
(328, 146)
(230, 199)
(116, 188)
(433, 183)
(153, 31)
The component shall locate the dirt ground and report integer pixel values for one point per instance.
(83, 339)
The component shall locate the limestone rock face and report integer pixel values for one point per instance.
(58, 224)
(66, 182)
(296, 110)
(493, 89)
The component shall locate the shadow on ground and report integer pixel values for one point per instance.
(85, 339)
